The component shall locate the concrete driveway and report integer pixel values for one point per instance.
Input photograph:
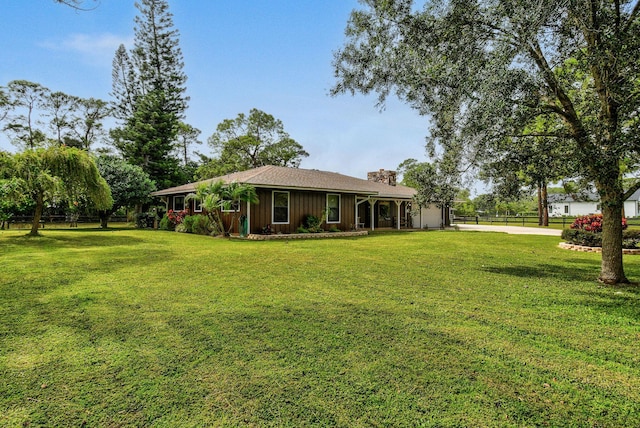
(515, 230)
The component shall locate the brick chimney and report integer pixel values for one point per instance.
(383, 176)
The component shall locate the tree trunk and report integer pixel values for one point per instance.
(545, 204)
(540, 213)
(37, 215)
(612, 270)
(104, 218)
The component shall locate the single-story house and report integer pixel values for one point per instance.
(566, 205)
(288, 195)
(632, 205)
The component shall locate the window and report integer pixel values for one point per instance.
(566, 209)
(197, 205)
(230, 207)
(280, 207)
(333, 208)
(178, 203)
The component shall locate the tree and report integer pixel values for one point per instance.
(23, 124)
(217, 196)
(517, 164)
(249, 142)
(148, 91)
(129, 184)
(36, 117)
(484, 70)
(59, 107)
(43, 175)
(435, 182)
(187, 136)
(87, 122)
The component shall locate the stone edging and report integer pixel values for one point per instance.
(574, 247)
(255, 237)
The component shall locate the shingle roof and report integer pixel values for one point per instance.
(303, 179)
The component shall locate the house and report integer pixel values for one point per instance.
(288, 195)
(632, 205)
(566, 205)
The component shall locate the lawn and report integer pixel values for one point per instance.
(147, 328)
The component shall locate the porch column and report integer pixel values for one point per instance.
(358, 211)
(398, 203)
(372, 203)
(248, 218)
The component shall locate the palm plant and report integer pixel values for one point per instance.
(217, 196)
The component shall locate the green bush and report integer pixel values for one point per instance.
(145, 220)
(313, 224)
(166, 224)
(582, 237)
(334, 229)
(630, 238)
(202, 225)
(302, 229)
(187, 224)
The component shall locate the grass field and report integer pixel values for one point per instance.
(144, 328)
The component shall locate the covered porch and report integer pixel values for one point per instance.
(383, 213)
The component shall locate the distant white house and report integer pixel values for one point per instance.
(565, 205)
(632, 205)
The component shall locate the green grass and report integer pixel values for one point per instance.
(143, 328)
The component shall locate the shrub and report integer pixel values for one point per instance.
(187, 223)
(202, 225)
(334, 229)
(302, 229)
(145, 220)
(166, 224)
(582, 237)
(592, 223)
(176, 217)
(630, 238)
(313, 224)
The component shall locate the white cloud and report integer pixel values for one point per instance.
(94, 49)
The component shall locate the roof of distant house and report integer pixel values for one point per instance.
(581, 197)
(279, 177)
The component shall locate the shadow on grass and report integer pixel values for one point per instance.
(588, 272)
(74, 240)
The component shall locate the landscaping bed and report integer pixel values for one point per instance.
(587, 249)
(258, 237)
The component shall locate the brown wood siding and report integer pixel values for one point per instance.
(301, 204)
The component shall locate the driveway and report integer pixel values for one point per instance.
(515, 230)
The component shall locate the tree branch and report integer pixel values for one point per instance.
(632, 16)
(76, 4)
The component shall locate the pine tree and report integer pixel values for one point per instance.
(149, 94)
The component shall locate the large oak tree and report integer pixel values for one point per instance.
(484, 70)
(250, 141)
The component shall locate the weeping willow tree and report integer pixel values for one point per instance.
(45, 175)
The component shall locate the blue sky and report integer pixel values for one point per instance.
(271, 55)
